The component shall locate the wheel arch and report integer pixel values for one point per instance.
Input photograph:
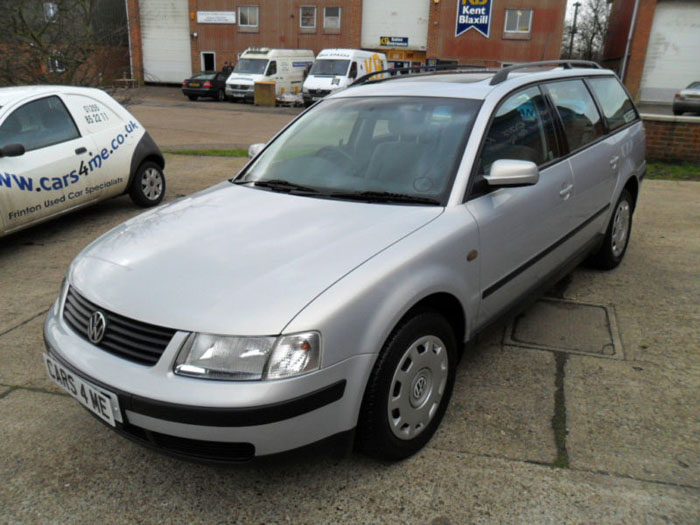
(446, 305)
(146, 150)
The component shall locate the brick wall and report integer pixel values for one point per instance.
(134, 16)
(672, 138)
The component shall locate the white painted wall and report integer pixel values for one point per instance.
(165, 36)
(673, 54)
(400, 18)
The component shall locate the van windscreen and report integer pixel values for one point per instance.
(253, 66)
(331, 68)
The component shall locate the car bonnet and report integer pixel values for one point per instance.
(236, 260)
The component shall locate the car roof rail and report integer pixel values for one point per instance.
(502, 75)
(447, 68)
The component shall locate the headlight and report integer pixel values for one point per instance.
(249, 358)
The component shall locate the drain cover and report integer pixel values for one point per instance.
(567, 326)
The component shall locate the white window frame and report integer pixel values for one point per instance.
(326, 17)
(518, 13)
(301, 18)
(257, 16)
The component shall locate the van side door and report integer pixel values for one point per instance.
(36, 184)
(522, 230)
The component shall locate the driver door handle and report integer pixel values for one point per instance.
(80, 151)
(565, 192)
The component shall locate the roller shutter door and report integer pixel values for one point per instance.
(672, 54)
(165, 36)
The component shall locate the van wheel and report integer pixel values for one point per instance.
(409, 389)
(617, 235)
(148, 187)
(192, 97)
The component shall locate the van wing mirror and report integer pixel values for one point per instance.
(254, 149)
(12, 150)
(507, 172)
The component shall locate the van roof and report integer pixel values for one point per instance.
(267, 52)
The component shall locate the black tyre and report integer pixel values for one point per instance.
(676, 112)
(220, 95)
(617, 235)
(409, 389)
(192, 97)
(148, 187)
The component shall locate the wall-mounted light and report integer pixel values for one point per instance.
(195, 35)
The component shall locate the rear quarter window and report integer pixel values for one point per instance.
(617, 107)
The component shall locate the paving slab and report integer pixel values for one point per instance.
(656, 288)
(632, 419)
(61, 465)
(502, 403)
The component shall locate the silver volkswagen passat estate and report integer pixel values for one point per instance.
(328, 288)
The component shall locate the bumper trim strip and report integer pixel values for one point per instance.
(237, 417)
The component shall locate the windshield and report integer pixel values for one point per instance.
(253, 66)
(403, 146)
(332, 68)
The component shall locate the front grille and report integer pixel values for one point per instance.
(319, 92)
(129, 339)
(191, 448)
(241, 87)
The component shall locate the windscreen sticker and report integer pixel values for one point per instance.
(12, 181)
(630, 115)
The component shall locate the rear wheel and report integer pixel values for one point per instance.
(409, 389)
(617, 235)
(192, 97)
(148, 187)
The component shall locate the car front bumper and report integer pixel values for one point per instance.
(240, 93)
(215, 420)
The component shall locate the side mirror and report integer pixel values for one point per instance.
(12, 150)
(507, 172)
(254, 149)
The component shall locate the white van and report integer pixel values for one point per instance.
(286, 67)
(338, 68)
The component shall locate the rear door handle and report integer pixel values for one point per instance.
(80, 151)
(565, 192)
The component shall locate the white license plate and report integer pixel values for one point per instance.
(100, 402)
(239, 95)
(316, 98)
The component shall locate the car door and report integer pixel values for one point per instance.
(520, 228)
(109, 160)
(38, 183)
(594, 157)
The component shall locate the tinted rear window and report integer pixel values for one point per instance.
(616, 105)
(204, 76)
(579, 114)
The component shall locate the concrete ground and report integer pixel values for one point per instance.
(585, 410)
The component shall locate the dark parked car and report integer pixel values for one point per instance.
(210, 84)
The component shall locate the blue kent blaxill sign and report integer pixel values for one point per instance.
(474, 14)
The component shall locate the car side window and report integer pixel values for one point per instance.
(39, 124)
(521, 129)
(271, 68)
(617, 107)
(578, 112)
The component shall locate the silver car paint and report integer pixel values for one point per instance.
(401, 255)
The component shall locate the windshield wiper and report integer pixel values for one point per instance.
(278, 185)
(385, 196)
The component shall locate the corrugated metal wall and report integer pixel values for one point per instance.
(672, 53)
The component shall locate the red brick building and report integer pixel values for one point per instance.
(170, 39)
(662, 52)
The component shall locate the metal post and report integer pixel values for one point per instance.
(573, 28)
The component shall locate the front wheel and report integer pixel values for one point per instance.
(617, 235)
(192, 97)
(409, 389)
(148, 187)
